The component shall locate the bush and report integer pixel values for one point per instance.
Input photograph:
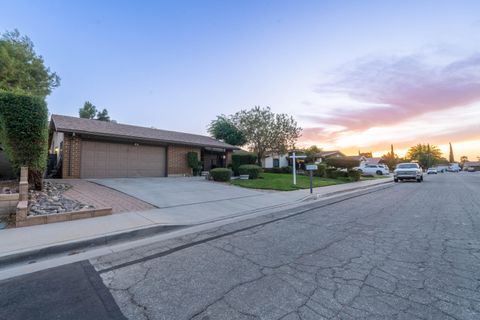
(192, 161)
(221, 174)
(331, 173)
(24, 133)
(288, 169)
(241, 158)
(343, 163)
(321, 171)
(252, 170)
(354, 175)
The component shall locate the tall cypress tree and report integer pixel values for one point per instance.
(391, 151)
(451, 159)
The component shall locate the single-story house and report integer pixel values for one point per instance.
(322, 155)
(275, 161)
(86, 148)
(471, 164)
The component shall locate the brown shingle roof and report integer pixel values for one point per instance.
(117, 130)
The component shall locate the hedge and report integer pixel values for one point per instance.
(252, 170)
(278, 170)
(241, 158)
(221, 174)
(24, 133)
(343, 163)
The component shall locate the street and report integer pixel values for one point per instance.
(409, 251)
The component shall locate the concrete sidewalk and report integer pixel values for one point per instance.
(19, 241)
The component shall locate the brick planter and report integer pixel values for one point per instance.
(8, 203)
(57, 217)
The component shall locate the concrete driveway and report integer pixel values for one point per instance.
(174, 192)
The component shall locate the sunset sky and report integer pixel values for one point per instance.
(357, 75)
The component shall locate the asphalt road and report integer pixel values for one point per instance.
(411, 251)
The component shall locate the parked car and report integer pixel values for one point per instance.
(432, 171)
(408, 171)
(374, 169)
(470, 169)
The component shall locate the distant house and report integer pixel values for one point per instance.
(322, 155)
(274, 160)
(363, 161)
(471, 164)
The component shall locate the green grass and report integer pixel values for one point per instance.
(284, 182)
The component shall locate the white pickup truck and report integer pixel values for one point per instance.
(408, 171)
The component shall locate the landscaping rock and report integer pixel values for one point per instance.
(51, 200)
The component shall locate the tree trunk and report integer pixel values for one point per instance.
(35, 177)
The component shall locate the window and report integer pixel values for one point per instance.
(276, 163)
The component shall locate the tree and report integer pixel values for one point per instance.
(223, 128)
(88, 111)
(103, 115)
(21, 69)
(24, 133)
(425, 155)
(451, 158)
(266, 131)
(311, 153)
(390, 159)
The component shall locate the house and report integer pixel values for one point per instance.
(86, 148)
(274, 160)
(471, 164)
(322, 155)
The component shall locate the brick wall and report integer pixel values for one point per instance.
(71, 157)
(177, 160)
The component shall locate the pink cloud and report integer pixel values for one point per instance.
(408, 85)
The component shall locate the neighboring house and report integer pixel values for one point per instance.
(99, 149)
(471, 164)
(322, 155)
(6, 170)
(275, 161)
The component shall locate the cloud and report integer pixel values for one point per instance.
(393, 91)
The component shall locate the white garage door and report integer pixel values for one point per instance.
(119, 160)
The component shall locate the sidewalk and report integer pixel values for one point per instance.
(17, 241)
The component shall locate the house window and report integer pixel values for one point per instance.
(276, 163)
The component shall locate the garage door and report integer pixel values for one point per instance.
(118, 160)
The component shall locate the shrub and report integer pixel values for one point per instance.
(192, 161)
(24, 133)
(331, 173)
(354, 175)
(321, 171)
(221, 174)
(252, 170)
(344, 163)
(288, 169)
(241, 158)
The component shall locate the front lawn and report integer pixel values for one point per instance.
(284, 182)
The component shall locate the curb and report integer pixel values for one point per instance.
(32, 255)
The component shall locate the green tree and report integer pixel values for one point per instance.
(266, 131)
(88, 111)
(426, 155)
(21, 69)
(103, 115)
(223, 128)
(391, 159)
(311, 152)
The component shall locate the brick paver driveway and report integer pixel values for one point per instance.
(103, 197)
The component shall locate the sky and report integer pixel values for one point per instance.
(356, 75)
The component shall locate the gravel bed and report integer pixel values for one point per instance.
(51, 200)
